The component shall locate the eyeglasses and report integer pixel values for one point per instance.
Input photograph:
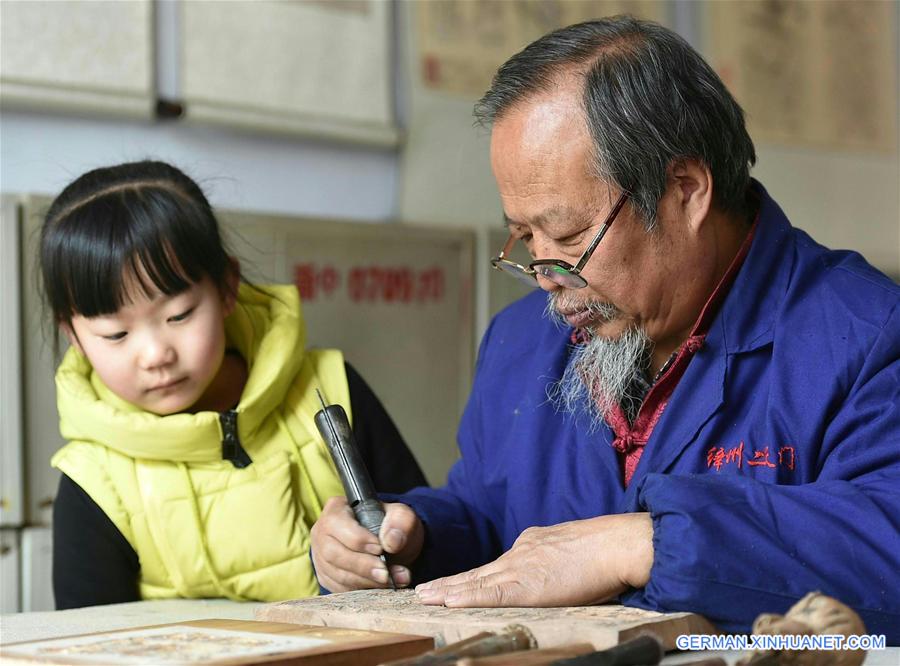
(556, 270)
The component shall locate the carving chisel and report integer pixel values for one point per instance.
(335, 429)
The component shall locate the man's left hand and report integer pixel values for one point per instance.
(578, 563)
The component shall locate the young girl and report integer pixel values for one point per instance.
(194, 468)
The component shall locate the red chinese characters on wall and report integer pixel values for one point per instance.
(718, 457)
(371, 284)
(316, 281)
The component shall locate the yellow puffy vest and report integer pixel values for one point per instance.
(201, 526)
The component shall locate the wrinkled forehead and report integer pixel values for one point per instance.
(539, 122)
(542, 159)
(540, 140)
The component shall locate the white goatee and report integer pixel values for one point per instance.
(602, 372)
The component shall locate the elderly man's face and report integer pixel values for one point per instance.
(541, 158)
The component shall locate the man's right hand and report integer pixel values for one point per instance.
(346, 554)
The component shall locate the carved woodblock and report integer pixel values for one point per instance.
(400, 611)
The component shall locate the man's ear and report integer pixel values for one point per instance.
(71, 336)
(232, 284)
(690, 186)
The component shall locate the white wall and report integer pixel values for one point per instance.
(41, 153)
(844, 200)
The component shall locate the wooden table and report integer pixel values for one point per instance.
(17, 627)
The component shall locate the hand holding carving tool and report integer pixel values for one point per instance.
(335, 429)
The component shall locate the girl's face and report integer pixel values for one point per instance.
(163, 353)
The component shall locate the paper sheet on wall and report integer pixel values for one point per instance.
(462, 43)
(83, 56)
(811, 73)
(320, 68)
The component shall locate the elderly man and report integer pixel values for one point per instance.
(700, 413)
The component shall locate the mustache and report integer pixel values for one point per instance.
(561, 303)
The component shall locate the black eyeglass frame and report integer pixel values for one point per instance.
(558, 271)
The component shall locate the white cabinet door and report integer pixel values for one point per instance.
(11, 492)
(9, 571)
(37, 570)
(78, 55)
(315, 68)
(41, 420)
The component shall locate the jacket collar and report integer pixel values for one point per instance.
(746, 320)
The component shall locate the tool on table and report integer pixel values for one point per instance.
(539, 657)
(511, 639)
(643, 650)
(335, 429)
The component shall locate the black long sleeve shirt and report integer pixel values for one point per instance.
(94, 564)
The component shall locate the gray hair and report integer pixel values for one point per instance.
(649, 100)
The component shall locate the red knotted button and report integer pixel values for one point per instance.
(625, 444)
(694, 343)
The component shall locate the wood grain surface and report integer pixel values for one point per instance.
(346, 646)
(400, 611)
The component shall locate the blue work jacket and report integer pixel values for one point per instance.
(773, 471)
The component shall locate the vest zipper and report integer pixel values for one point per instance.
(232, 450)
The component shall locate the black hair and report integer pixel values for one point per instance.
(143, 224)
(649, 100)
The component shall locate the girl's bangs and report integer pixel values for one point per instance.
(108, 257)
